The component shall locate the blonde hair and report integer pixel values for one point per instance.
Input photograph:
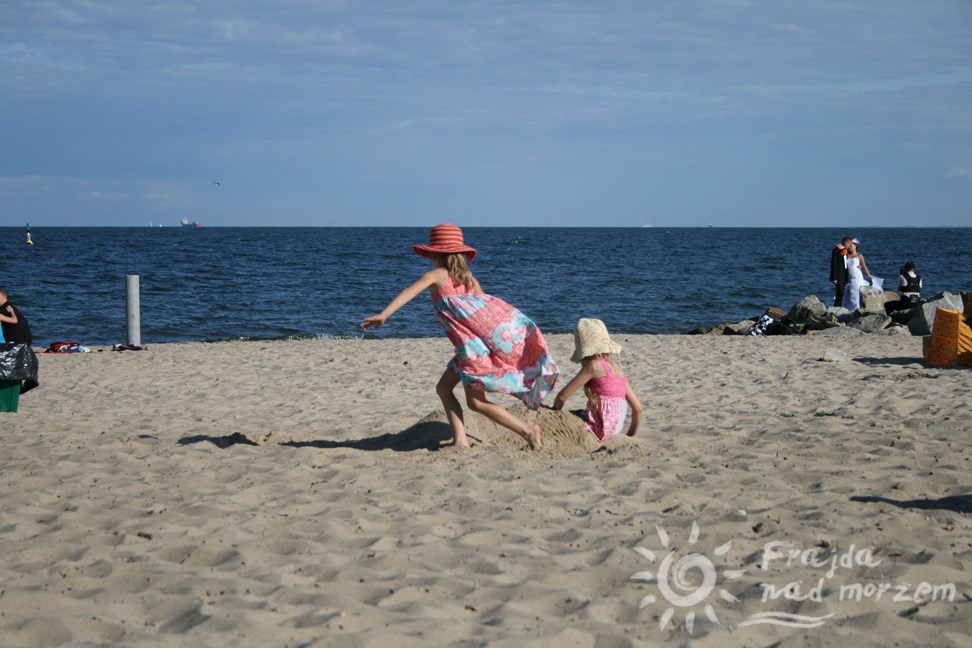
(457, 267)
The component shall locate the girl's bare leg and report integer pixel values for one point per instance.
(476, 399)
(447, 383)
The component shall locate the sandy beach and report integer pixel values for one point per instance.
(303, 494)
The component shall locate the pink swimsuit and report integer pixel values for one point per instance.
(605, 417)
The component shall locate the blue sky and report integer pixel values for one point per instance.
(734, 113)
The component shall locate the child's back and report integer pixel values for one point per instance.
(609, 393)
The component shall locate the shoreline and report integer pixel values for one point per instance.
(301, 492)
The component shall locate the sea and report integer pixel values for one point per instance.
(270, 283)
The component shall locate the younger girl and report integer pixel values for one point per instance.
(608, 392)
(498, 348)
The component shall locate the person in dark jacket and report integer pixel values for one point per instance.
(909, 287)
(838, 268)
(15, 326)
(17, 338)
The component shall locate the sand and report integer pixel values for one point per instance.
(302, 494)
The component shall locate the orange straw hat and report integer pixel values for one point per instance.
(445, 239)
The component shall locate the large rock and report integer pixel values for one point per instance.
(827, 321)
(839, 314)
(872, 299)
(895, 329)
(902, 317)
(871, 323)
(923, 319)
(808, 308)
(835, 355)
(739, 328)
(718, 329)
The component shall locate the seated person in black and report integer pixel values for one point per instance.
(909, 286)
(15, 326)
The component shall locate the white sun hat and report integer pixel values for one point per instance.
(591, 338)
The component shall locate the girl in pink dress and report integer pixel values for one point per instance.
(609, 395)
(498, 348)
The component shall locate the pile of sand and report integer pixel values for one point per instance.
(563, 433)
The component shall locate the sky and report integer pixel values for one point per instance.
(732, 113)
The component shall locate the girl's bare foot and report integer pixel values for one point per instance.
(533, 437)
(459, 439)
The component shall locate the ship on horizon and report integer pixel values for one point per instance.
(186, 222)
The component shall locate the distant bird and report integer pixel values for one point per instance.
(216, 183)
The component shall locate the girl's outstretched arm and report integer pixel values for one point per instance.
(434, 277)
(578, 381)
(636, 410)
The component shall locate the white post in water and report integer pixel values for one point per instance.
(132, 310)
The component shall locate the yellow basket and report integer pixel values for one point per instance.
(950, 343)
(963, 354)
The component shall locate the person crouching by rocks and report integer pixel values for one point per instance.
(909, 287)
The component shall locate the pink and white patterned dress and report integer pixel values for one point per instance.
(498, 348)
(606, 413)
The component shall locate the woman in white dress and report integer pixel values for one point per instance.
(856, 267)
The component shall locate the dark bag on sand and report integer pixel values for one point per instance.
(18, 362)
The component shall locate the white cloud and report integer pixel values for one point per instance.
(299, 91)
